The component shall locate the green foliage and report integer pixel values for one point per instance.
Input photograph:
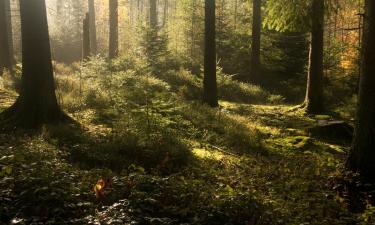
(287, 15)
(224, 131)
(368, 216)
(155, 44)
(237, 91)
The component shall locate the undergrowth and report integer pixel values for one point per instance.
(169, 158)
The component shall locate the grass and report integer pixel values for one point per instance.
(171, 160)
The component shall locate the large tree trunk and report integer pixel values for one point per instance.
(92, 30)
(113, 29)
(209, 81)
(314, 92)
(153, 14)
(86, 51)
(362, 155)
(255, 46)
(5, 62)
(37, 103)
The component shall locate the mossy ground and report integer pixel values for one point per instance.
(171, 162)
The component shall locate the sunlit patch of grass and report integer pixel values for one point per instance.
(205, 154)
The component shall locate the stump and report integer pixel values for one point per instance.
(332, 130)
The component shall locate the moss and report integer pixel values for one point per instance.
(322, 117)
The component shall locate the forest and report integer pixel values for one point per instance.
(187, 112)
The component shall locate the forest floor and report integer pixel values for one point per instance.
(239, 164)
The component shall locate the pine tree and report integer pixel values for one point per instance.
(8, 11)
(86, 50)
(37, 103)
(113, 29)
(314, 90)
(255, 45)
(5, 61)
(153, 14)
(92, 30)
(209, 81)
(285, 15)
(362, 155)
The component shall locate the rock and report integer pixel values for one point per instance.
(332, 130)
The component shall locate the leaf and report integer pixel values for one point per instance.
(6, 170)
(101, 186)
(229, 189)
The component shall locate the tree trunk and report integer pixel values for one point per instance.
(209, 81)
(113, 29)
(86, 51)
(10, 32)
(5, 62)
(255, 45)
(235, 13)
(153, 14)
(37, 103)
(362, 155)
(314, 92)
(165, 15)
(92, 27)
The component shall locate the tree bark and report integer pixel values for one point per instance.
(113, 29)
(10, 32)
(92, 26)
(37, 103)
(86, 51)
(5, 61)
(314, 92)
(209, 81)
(165, 15)
(255, 45)
(362, 155)
(153, 14)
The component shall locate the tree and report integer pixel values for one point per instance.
(362, 155)
(153, 14)
(37, 103)
(5, 61)
(209, 81)
(86, 50)
(314, 90)
(255, 45)
(113, 29)
(308, 15)
(8, 11)
(92, 30)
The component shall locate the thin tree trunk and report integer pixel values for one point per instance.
(10, 32)
(235, 13)
(5, 62)
(113, 29)
(209, 81)
(165, 16)
(37, 103)
(92, 30)
(86, 51)
(153, 14)
(362, 155)
(255, 45)
(314, 92)
(192, 32)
